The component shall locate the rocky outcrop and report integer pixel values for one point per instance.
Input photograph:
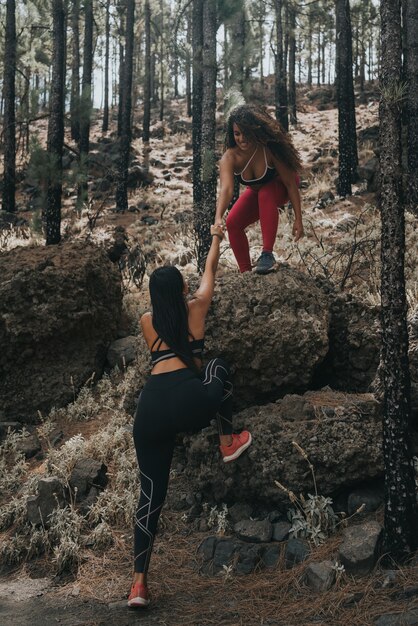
(273, 332)
(340, 433)
(59, 310)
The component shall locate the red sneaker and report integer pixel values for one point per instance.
(239, 444)
(138, 596)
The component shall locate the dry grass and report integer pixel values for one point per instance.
(180, 595)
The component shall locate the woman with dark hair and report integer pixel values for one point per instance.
(261, 156)
(177, 397)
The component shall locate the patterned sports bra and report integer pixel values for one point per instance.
(269, 172)
(196, 345)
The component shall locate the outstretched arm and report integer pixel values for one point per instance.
(226, 176)
(203, 296)
(288, 177)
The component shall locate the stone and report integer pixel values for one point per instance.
(29, 445)
(372, 499)
(297, 550)
(139, 176)
(271, 556)
(354, 337)
(248, 557)
(406, 618)
(50, 495)
(239, 511)
(254, 531)
(207, 548)
(86, 474)
(343, 442)
(122, 352)
(360, 548)
(59, 310)
(281, 531)
(320, 576)
(224, 551)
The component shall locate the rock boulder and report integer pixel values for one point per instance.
(340, 433)
(59, 310)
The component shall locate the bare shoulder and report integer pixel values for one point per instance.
(228, 158)
(146, 320)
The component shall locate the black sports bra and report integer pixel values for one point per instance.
(196, 345)
(269, 172)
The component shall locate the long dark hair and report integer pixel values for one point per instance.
(170, 312)
(257, 125)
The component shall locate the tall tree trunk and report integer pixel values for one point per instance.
(412, 101)
(400, 496)
(9, 133)
(237, 50)
(197, 91)
(121, 83)
(162, 94)
(126, 128)
(345, 99)
(188, 68)
(310, 20)
(56, 127)
(75, 72)
(105, 126)
(292, 65)
(85, 107)
(350, 87)
(280, 71)
(208, 132)
(147, 74)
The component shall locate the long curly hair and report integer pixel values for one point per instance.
(258, 125)
(170, 312)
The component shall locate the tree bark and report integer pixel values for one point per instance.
(412, 101)
(105, 125)
(55, 139)
(280, 71)
(292, 65)
(75, 72)
(85, 107)
(126, 127)
(347, 140)
(400, 497)
(147, 74)
(9, 132)
(208, 171)
(237, 51)
(197, 91)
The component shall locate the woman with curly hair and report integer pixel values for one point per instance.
(263, 158)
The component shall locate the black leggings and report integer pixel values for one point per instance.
(172, 403)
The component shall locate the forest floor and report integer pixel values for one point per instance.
(341, 244)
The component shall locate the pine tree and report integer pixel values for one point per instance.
(56, 127)
(400, 497)
(9, 133)
(411, 53)
(126, 128)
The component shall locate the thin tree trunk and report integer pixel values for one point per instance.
(280, 73)
(56, 127)
(292, 65)
(85, 108)
(162, 94)
(75, 72)
(147, 74)
(400, 496)
(105, 126)
(237, 51)
(345, 99)
(188, 68)
(208, 132)
(197, 92)
(126, 128)
(9, 133)
(412, 101)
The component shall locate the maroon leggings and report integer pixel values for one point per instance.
(251, 206)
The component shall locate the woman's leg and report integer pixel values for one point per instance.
(271, 196)
(218, 386)
(243, 213)
(154, 461)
